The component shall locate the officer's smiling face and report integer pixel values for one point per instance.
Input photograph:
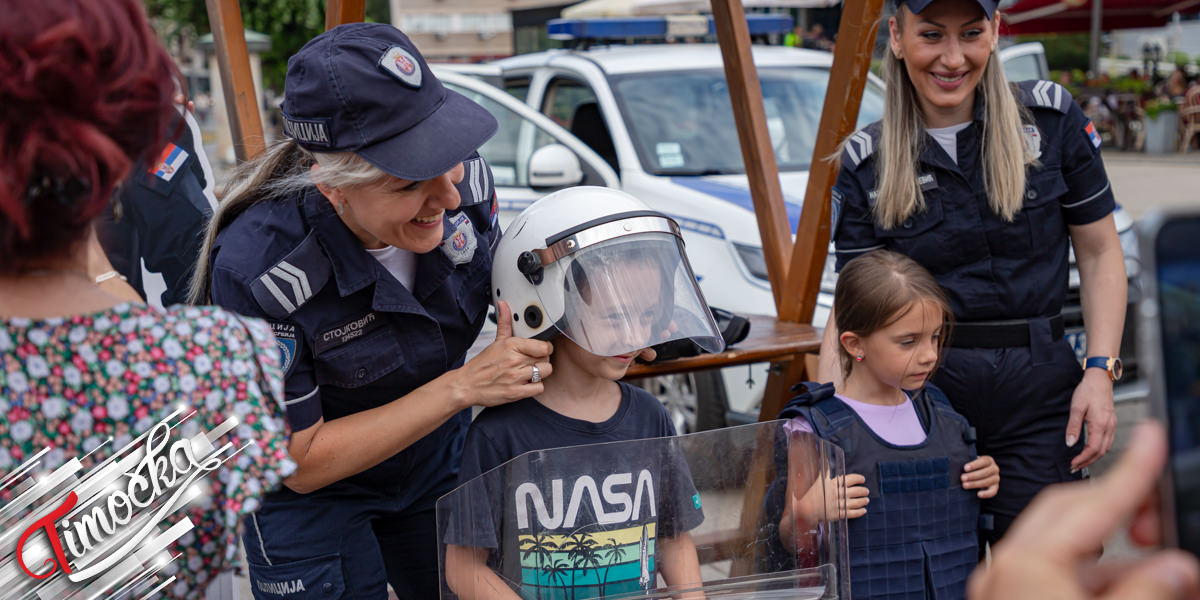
(397, 212)
(945, 50)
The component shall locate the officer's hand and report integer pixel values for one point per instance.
(502, 372)
(982, 474)
(1092, 403)
(1051, 549)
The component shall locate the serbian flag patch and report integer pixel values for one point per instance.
(1092, 135)
(169, 162)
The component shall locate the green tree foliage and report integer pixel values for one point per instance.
(1063, 50)
(289, 23)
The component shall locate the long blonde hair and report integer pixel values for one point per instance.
(278, 174)
(901, 138)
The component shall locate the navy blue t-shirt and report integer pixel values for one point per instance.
(595, 511)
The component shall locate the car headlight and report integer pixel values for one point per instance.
(753, 259)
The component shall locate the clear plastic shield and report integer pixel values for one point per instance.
(742, 512)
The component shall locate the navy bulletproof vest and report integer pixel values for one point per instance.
(918, 539)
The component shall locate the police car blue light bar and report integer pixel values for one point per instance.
(657, 27)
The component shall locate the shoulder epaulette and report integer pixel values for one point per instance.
(293, 281)
(476, 186)
(807, 393)
(860, 145)
(1044, 94)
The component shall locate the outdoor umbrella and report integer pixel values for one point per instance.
(1061, 16)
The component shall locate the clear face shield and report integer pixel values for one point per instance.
(626, 285)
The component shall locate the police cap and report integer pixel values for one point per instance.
(988, 6)
(364, 88)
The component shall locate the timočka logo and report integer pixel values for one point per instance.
(100, 533)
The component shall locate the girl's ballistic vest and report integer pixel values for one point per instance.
(918, 539)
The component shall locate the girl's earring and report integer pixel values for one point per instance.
(858, 358)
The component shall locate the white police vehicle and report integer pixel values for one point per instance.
(655, 120)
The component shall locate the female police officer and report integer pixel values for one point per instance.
(355, 240)
(981, 182)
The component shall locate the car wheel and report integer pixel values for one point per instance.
(696, 401)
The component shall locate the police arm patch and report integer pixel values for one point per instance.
(288, 344)
(1090, 130)
(835, 212)
(169, 161)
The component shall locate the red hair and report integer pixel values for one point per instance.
(86, 90)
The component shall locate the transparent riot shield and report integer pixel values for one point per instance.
(742, 512)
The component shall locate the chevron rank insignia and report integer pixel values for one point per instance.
(858, 147)
(293, 281)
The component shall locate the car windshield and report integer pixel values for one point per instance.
(682, 122)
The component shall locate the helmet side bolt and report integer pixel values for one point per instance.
(529, 265)
(533, 317)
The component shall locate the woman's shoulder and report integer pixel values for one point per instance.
(250, 242)
(860, 146)
(1042, 94)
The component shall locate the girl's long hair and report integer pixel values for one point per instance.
(878, 288)
(278, 174)
(902, 137)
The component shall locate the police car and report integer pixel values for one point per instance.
(655, 120)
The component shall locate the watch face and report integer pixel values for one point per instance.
(1115, 368)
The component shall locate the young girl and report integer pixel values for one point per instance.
(603, 277)
(913, 480)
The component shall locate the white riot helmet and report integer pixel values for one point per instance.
(600, 267)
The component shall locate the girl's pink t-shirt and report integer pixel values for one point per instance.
(897, 425)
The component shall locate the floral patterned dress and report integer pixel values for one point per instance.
(72, 383)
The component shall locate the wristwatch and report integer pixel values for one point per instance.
(1112, 364)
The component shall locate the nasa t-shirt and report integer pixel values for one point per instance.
(580, 521)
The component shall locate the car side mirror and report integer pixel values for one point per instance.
(554, 166)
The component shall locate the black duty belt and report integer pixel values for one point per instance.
(999, 334)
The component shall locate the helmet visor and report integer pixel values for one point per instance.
(628, 293)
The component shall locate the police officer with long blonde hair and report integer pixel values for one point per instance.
(988, 185)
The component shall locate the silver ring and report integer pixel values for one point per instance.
(537, 375)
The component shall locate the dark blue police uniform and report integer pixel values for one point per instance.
(158, 217)
(354, 338)
(1009, 370)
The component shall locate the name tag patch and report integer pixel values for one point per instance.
(1033, 140)
(927, 182)
(345, 332)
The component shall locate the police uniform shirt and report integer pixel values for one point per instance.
(158, 215)
(351, 336)
(991, 269)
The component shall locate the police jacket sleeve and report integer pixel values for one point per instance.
(302, 395)
(852, 222)
(1089, 195)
